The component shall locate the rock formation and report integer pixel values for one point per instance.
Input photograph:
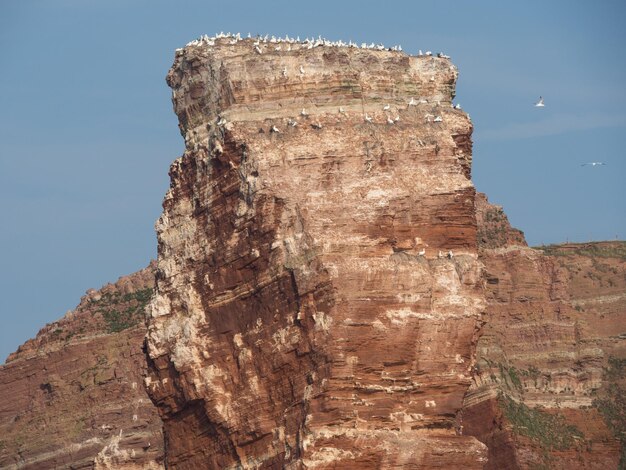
(330, 293)
(303, 317)
(541, 396)
(73, 397)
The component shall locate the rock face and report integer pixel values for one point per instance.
(73, 397)
(303, 316)
(330, 293)
(550, 371)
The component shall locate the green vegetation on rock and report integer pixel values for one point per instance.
(551, 431)
(615, 249)
(123, 311)
(612, 402)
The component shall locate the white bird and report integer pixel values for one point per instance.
(412, 102)
(390, 121)
(539, 104)
(258, 50)
(367, 118)
(292, 122)
(284, 71)
(593, 163)
(302, 70)
(316, 125)
(422, 252)
(303, 112)
(457, 106)
(221, 122)
(386, 107)
(438, 119)
(396, 119)
(341, 110)
(450, 254)
(440, 254)
(274, 129)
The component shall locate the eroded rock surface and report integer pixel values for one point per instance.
(73, 397)
(304, 316)
(551, 366)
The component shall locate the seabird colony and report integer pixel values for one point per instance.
(308, 43)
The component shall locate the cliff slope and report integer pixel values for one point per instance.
(550, 370)
(73, 397)
(303, 316)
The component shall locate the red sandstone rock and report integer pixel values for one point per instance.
(553, 320)
(295, 322)
(304, 317)
(73, 397)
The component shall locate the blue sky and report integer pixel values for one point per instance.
(87, 131)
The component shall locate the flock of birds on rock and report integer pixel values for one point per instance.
(311, 43)
(367, 118)
(287, 42)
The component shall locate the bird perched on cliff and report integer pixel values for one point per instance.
(422, 252)
(303, 112)
(258, 50)
(284, 71)
(386, 107)
(450, 254)
(274, 129)
(412, 102)
(457, 106)
(316, 125)
(367, 118)
(292, 122)
(539, 104)
(341, 110)
(301, 70)
(390, 121)
(438, 119)
(593, 163)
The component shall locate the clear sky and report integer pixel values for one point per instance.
(87, 130)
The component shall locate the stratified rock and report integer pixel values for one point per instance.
(304, 316)
(73, 397)
(541, 396)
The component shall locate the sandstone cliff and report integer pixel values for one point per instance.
(551, 354)
(302, 315)
(306, 311)
(73, 397)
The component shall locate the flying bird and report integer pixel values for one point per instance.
(539, 104)
(593, 163)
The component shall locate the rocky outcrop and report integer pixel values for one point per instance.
(303, 315)
(541, 396)
(330, 293)
(73, 397)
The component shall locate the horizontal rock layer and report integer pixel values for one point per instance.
(303, 316)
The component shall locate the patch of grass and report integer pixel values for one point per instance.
(550, 431)
(612, 402)
(123, 311)
(593, 250)
(510, 376)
